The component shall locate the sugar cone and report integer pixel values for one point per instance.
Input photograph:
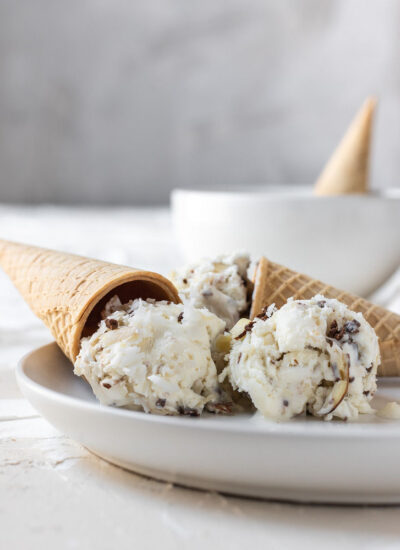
(348, 168)
(68, 292)
(275, 284)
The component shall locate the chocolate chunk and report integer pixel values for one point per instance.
(184, 281)
(325, 384)
(321, 303)
(187, 411)
(332, 329)
(106, 385)
(180, 317)
(317, 349)
(351, 379)
(160, 403)
(264, 314)
(285, 403)
(335, 332)
(112, 324)
(224, 408)
(369, 369)
(247, 328)
(340, 334)
(366, 392)
(352, 327)
(207, 293)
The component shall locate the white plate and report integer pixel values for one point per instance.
(303, 460)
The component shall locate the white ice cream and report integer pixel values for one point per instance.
(220, 285)
(311, 355)
(390, 410)
(153, 356)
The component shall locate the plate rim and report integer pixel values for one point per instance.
(270, 428)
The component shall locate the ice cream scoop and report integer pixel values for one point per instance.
(275, 284)
(221, 285)
(315, 356)
(154, 356)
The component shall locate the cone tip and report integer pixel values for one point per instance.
(346, 171)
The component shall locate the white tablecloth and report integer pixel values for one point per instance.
(55, 494)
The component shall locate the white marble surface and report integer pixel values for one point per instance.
(54, 494)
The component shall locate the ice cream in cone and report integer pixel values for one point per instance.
(275, 284)
(347, 170)
(68, 292)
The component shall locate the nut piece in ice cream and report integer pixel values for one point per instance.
(154, 356)
(313, 356)
(239, 330)
(220, 285)
(335, 397)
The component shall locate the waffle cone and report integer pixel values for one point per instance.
(68, 292)
(275, 284)
(347, 170)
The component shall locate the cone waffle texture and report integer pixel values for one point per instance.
(275, 284)
(348, 168)
(62, 289)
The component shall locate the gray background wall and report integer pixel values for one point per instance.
(120, 101)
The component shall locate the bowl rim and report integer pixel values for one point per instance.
(275, 191)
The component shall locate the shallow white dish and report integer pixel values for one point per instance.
(303, 460)
(351, 242)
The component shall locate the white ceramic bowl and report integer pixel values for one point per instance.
(351, 242)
